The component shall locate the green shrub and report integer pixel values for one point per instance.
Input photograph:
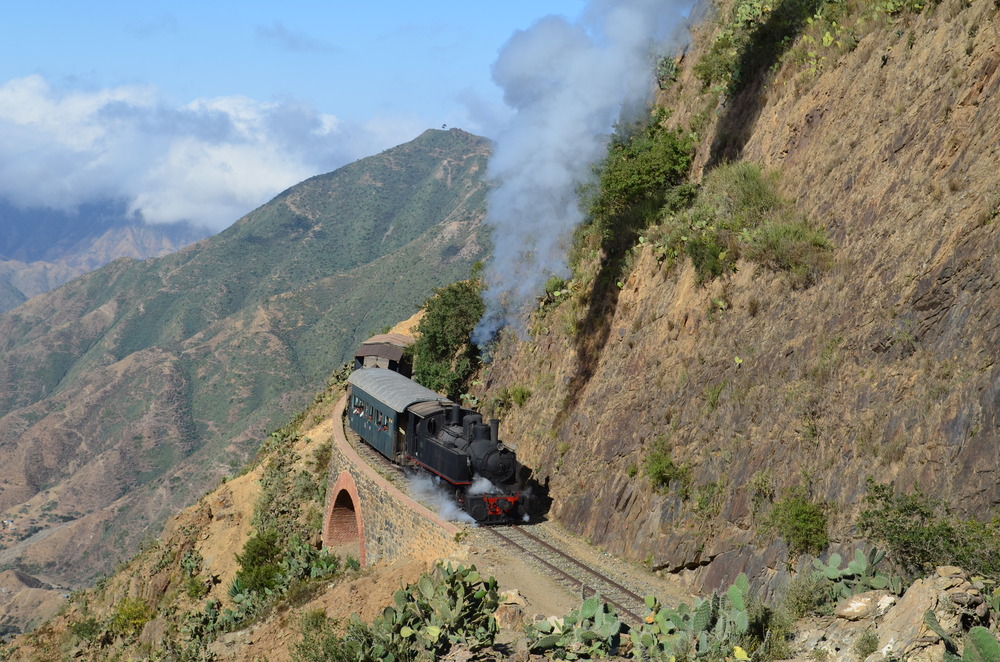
(195, 588)
(792, 245)
(259, 562)
(88, 629)
(800, 522)
(309, 486)
(761, 490)
(718, 62)
(129, 617)
(644, 163)
(807, 593)
(754, 38)
(662, 470)
(866, 644)
(556, 288)
(520, 394)
(321, 459)
(314, 619)
(711, 395)
(739, 213)
(443, 354)
(320, 641)
(508, 397)
(644, 160)
(708, 257)
(920, 532)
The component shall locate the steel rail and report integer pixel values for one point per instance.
(509, 534)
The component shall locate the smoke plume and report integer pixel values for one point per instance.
(567, 83)
(434, 494)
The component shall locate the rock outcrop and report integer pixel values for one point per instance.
(886, 367)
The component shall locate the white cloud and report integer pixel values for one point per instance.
(209, 161)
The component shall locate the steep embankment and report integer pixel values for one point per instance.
(885, 367)
(127, 392)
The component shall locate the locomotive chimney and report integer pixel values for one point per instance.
(469, 424)
(456, 415)
(494, 430)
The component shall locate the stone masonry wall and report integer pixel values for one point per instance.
(363, 506)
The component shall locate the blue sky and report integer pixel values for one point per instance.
(355, 60)
(204, 110)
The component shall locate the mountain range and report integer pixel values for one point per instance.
(40, 249)
(127, 392)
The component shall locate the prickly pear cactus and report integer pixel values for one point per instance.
(859, 575)
(593, 630)
(981, 646)
(710, 628)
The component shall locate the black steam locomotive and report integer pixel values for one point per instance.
(412, 425)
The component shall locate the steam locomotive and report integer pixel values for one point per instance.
(412, 425)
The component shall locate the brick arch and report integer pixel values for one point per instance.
(344, 524)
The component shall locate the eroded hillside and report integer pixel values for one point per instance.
(126, 393)
(750, 387)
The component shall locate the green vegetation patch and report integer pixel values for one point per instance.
(129, 617)
(920, 532)
(645, 163)
(758, 35)
(663, 471)
(739, 213)
(444, 357)
(452, 607)
(800, 522)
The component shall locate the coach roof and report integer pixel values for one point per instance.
(393, 389)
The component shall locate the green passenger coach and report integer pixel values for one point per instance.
(379, 400)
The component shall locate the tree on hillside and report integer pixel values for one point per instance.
(444, 357)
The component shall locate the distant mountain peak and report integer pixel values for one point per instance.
(41, 249)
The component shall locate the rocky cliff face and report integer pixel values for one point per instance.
(886, 367)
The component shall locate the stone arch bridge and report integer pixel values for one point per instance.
(366, 510)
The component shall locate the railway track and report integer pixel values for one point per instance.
(574, 574)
